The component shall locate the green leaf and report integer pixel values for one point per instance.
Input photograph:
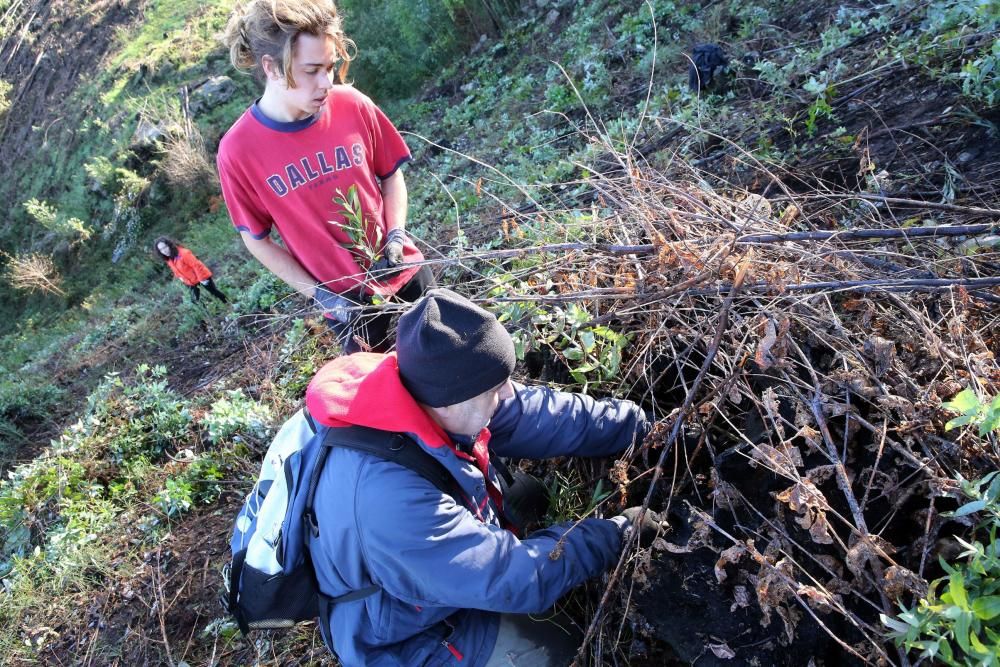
(986, 607)
(946, 651)
(956, 587)
(588, 341)
(964, 402)
(991, 421)
(993, 492)
(962, 631)
(977, 646)
(958, 421)
(969, 508)
(519, 348)
(573, 354)
(894, 625)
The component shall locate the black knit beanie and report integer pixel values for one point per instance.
(450, 350)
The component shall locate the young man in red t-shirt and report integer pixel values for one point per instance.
(302, 155)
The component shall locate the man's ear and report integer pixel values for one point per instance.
(271, 69)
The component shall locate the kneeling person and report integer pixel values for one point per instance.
(449, 582)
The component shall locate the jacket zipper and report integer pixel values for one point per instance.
(448, 645)
(454, 651)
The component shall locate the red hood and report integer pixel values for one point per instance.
(364, 389)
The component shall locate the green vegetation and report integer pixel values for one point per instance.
(519, 129)
(403, 43)
(72, 229)
(5, 101)
(571, 498)
(367, 251)
(961, 624)
(984, 414)
(113, 482)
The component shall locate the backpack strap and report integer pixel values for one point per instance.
(501, 469)
(398, 448)
(395, 447)
(309, 418)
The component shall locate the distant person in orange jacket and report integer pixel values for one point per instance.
(187, 268)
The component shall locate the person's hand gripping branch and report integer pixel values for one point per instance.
(648, 524)
(334, 305)
(392, 254)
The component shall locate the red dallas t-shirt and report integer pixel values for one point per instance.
(288, 174)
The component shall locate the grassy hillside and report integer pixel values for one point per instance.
(702, 252)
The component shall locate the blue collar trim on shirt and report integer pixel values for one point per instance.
(292, 126)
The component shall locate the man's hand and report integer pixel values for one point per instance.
(393, 250)
(333, 304)
(649, 526)
(392, 255)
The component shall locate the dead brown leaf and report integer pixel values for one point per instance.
(808, 501)
(731, 555)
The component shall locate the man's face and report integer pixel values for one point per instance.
(471, 416)
(313, 62)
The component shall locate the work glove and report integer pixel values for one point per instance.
(205, 281)
(334, 306)
(648, 528)
(392, 254)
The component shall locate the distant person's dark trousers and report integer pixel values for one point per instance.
(210, 286)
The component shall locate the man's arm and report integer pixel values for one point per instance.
(394, 199)
(281, 263)
(541, 423)
(423, 548)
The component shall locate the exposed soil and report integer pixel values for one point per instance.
(47, 62)
(691, 606)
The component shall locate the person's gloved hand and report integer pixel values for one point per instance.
(393, 249)
(333, 305)
(649, 527)
(392, 254)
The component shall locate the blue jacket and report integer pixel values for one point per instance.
(446, 569)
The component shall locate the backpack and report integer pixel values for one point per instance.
(270, 582)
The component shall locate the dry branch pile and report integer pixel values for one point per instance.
(796, 351)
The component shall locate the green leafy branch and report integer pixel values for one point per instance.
(593, 354)
(982, 413)
(961, 625)
(355, 226)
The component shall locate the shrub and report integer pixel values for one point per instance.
(32, 501)
(186, 162)
(141, 419)
(22, 400)
(593, 354)
(48, 217)
(236, 414)
(197, 485)
(301, 355)
(33, 272)
(961, 625)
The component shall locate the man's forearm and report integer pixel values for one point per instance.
(281, 263)
(394, 199)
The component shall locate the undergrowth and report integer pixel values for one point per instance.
(520, 146)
